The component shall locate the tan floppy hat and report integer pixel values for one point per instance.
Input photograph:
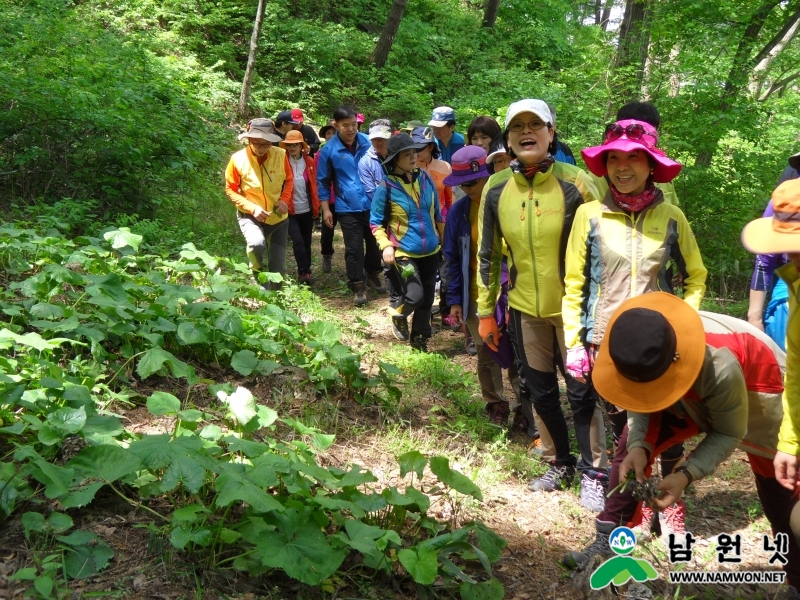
(779, 233)
(652, 353)
(294, 137)
(262, 129)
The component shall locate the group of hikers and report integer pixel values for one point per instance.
(548, 268)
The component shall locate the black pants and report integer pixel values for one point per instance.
(417, 292)
(533, 340)
(361, 252)
(301, 228)
(326, 235)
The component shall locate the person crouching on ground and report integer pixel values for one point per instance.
(407, 222)
(260, 182)
(679, 373)
(304, 203)
(461, 254)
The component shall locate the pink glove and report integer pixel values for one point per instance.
(579, 363)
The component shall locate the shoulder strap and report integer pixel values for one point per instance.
(387, 207)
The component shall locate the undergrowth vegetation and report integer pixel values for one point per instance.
(92, 324)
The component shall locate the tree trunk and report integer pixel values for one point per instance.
(606, 15)
(744, 62)
(384, 45)
(759, 72)
(634, 41)
(244, 98)
(490, 13)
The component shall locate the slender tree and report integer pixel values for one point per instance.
(244, 97)
(490, 13)
(634, 41)
(384, 45)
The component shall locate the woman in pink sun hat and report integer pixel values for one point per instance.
(620, 246)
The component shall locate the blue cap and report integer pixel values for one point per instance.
(441, 116)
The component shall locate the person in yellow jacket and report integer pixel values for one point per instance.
(530, 207)
(619, 248)
(780, 234)
(260, 182)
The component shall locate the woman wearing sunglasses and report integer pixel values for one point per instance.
(529, 209)
(620, 246)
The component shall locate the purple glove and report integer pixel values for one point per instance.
(578, 363)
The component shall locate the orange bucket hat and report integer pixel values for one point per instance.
(294, 137)
(652, 353)
(779, 233)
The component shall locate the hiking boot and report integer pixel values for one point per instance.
(400, 328)
(469, 346)
(326, 263)
(594, 486)
(419, 342)
(556, 478)
(360, 293)
(498, 413)
(649, 525)
(673, 519)
(374, 281)
(578, 560)
(304, 279)
(448, 322)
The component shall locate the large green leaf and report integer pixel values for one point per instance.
(86, 554)
(162, 403)
(299, 548)
(108, 463)
(491, 543)
(231, 323)
(461, 483)
(233, 485)
(152, 360)
(421, 563)
(80, 496)
(122, 237)
(158, 451)
(183, 470)
(486, 590)
(412, 461)
(192, 333)
(244, 362)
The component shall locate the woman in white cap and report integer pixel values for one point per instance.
(529, 208)
(260, 182)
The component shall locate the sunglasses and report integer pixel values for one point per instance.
(519, 126)
(634, 131)
(469, 184)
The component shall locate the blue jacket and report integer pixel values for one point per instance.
(338, 166)
(456, 248)
(370, 171)
(410, 227)
(446, 152)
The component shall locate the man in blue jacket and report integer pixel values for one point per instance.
(338, 166)
(443, 123)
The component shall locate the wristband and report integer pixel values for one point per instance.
(686, 472)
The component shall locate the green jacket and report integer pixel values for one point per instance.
(533, 219)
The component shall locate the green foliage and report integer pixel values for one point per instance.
(79, 314)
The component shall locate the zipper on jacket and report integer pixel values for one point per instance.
(530, 243)
(633, 254)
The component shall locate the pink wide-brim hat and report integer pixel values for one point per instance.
(665, 170)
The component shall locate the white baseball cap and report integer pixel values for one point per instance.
(537, 107)
(380, 132)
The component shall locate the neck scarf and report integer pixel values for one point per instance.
(634, 203)
(530, 170)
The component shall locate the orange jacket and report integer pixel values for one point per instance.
(249, 184)
(310, 177)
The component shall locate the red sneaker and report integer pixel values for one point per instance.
(673, 519)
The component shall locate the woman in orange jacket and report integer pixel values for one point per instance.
(259, 181)
(304, 203)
